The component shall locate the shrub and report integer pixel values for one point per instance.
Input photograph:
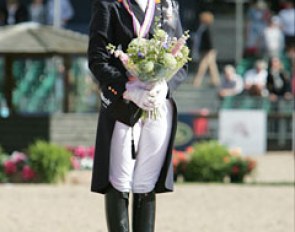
(207, 163)
(2, 175)
(50, 162)
(239, 167)
(179, 161)
(2, 159)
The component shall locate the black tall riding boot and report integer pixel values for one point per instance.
(144, 211)
(116, 206)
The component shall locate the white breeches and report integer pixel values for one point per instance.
(151, 138)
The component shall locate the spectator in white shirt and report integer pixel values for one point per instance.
(232, 83)
(273, 37)
(66, 12)
(255, 79)
(287, 17)
(37, 11)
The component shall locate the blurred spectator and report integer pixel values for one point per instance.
(292, 56)
(258, 17)
(287, 17)
(37, 11)
(14, 12)
(66, 12)
(2, 17)
(203, 49)
(293, 84)
(232, 83)
(278, 84)
(255, 79)
(273, 38)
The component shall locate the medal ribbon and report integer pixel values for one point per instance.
(142, 30)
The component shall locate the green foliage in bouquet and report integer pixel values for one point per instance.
(50, 162)
(207, 163)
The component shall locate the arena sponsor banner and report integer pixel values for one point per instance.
(184, 134)
(244, 129)
(191, 128)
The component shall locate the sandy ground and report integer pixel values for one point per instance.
(191, 208)
(275, 167)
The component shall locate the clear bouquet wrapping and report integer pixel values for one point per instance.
(155, 59)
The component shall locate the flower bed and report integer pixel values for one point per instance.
(238, 166)
(15, 168)
(211, 162)
(82, 157)
(41, 163)
(46, 163)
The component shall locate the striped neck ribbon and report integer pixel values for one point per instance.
(141, 30)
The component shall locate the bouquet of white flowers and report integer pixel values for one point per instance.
(155, 59)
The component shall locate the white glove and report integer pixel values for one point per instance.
(138, 93)
(159, 92)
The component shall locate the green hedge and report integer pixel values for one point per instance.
(207, 163)
(2, 158)
(212, 162)
(50, 162)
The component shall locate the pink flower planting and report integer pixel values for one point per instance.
(17, 169)
(75, 163)
(82, 157)
(9, 167)
(18, 157)
(91, 152)
(28, 173)
(83, 152)
(80, 151)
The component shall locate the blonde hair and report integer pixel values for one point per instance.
(261, 64)
(229, 68)
(207, 17)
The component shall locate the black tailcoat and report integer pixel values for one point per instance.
(111, 23)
